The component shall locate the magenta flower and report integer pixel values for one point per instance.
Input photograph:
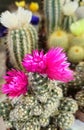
(16, 83)
(52, 64)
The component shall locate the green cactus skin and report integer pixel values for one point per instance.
(76, 54)
(52, 10)
(58, 38)
(21, 42)
(67, 21)
(77, 40)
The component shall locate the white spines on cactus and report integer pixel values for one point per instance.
(16, 19)
(22, 36)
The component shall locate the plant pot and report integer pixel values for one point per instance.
(80, 115)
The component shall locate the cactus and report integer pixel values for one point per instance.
(69, 9)
(77, 40)
(58, 38)
(20, 42)
(67, 21)
(22, 36)
(5, 108)
(80, 100)
(76, 54)
(52, 11)
(69, 105)
(65, 120)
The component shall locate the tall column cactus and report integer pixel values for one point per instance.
(52, 10)
(22, 36)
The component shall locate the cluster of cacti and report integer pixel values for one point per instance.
(53, 14)
(35, 110)
(58, 38)
(80, 100)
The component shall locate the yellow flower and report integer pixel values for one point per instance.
(20, 4)
(34, 6)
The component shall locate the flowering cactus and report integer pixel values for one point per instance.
(35, 107)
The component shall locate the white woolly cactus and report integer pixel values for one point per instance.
(22, 36)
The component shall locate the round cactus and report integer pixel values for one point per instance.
(76, 54)
(58, 38)
(53, 13)
(77, 40)
(65, 120)
(69, 105)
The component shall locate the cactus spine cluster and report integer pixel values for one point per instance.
(20, 42)
(52, 10)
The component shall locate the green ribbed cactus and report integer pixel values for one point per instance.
(65, 120)
(67, 21)
(52, 10)
(20, 42)
(69, 105)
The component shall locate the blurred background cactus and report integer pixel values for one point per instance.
(53, 14)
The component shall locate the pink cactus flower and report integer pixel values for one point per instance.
(16, 83)
(52, 64)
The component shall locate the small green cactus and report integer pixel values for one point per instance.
(65, 120)
(69, 105)
(58, 38)
(76, 54)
